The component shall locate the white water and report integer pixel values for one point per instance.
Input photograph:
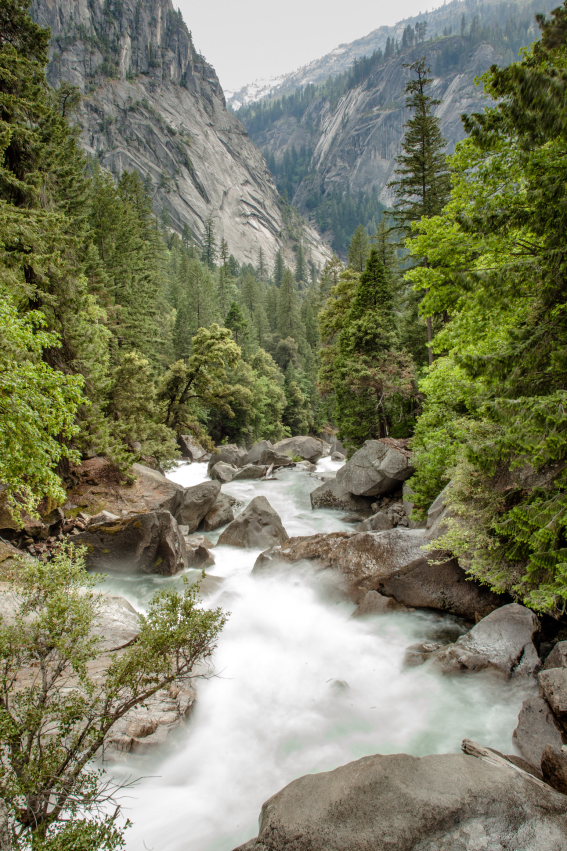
(301, 687)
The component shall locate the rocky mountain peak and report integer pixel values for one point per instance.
(152, 104)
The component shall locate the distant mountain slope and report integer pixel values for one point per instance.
(333, 147)
(446, 20)
(152, 104)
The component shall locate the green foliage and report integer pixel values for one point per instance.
(497, 272)
(370, 379)
(37, 406)
(55, 710)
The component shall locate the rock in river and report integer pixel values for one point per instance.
(502, 641)
(143, 543)
(391, 562)
(451, 802)
(258, 526)
(379, 467)
(302, 446)
(196, 502)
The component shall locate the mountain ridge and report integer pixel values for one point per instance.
(152, 104)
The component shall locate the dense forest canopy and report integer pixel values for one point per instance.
(118, 336)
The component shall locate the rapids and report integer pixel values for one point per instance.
(300, 686)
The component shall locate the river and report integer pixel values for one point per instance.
(300, 686)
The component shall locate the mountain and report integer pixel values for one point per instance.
(151, 103)
(332, 146)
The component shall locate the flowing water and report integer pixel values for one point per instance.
(300, 686)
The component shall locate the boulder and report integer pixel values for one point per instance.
(374, 603)
(379, 522)
(449, 802)
(251, 471)
(554, 768)
(558, 656)
(198, 552)
(263, 453)
(220, 514)
(391, 562)
(100, 487)
(142, 543)
(157, 492)
(536, 729)
(191, 448)
(229, 454)
(303, 446)
(258, 526)
(502, 641)
(223, 472)
(331, 495)
(380, 467)
(553, 686)
(338, 456)
(195, 504)
(117, 623)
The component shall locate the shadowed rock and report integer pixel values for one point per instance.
(379, 467)
(196, 503)
(502, 641)
(258, 526)
(404, 803)
(143, 543)
(303, 446)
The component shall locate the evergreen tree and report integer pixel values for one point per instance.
(422, 187)
(359, 250)
(209, 254)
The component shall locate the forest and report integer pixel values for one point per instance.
(120, 335)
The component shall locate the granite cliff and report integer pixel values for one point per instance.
(151, 103)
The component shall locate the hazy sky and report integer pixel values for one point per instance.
(247, 40)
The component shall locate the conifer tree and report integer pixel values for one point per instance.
(359, 250)
(422, 186)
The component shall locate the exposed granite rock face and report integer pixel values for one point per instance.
(379, 467)
(142, 543)
(152, 104)
(536, 730)
(394, 564)
(406, 803)
(258, 526)
(502, 642)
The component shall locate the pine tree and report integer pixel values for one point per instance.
(422, 187)
(359, 250)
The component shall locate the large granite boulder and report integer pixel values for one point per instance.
(502, 641)
(331, 495)
(379, 467)
(251, 471)
(536, 730)
(554, 768)
(191, 448)
(229, 454)
(553, 686)
(220, 514)
(100, 486)
(195, 504)
(451, 802)
(223, 472)
(393, 563)
(257, 526)
(141, 543)
(305, 447)
(264, 454)
(558, 656)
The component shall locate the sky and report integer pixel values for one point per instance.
(246, 40)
